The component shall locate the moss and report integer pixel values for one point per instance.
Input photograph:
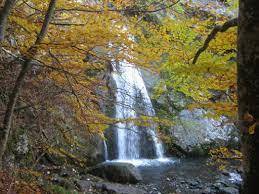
(56, 189)
(14, 138)
(59, 156)
(202, 151)
(25, 159)
(198, 152)
(152, 18)
(174, 149)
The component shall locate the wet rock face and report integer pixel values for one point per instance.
(111, 139)
(96, 150)
(147, 145)
(196, 134)
(117, 172)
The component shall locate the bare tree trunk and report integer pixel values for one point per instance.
(248, 91)
(4, 16)
(5, 130)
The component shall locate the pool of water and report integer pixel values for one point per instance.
(141, 163)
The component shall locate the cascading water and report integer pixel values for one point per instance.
(131, 90)
(105, 150)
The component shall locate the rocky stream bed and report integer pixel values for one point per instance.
(187, 176)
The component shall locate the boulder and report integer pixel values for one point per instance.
(196, 134)
(117, 172)
(112, 188)
(63, 182)
(227, 190)
(95, 150)
(85, 185)
(106, 187)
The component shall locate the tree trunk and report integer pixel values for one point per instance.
(248, 91)
(5, 130)
(4, 16)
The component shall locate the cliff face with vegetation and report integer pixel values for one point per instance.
(57, 95)
(194, 132)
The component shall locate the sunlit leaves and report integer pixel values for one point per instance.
(222, 155)
(171, 47)
(83, 37)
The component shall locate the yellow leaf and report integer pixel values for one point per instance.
(251, 129)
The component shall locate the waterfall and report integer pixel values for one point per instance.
(131, 91)
(105, 150)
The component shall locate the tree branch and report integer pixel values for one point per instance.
(4, 13)
(228, 24)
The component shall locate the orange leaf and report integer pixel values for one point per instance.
(248, 117)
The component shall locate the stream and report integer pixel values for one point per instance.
(194, 175)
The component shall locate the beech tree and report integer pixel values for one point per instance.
(248, 91)
(82, 28)
(61, 63)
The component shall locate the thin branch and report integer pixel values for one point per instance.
(67, 24)
(46, 22)
(228, 24)
(36, 62)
